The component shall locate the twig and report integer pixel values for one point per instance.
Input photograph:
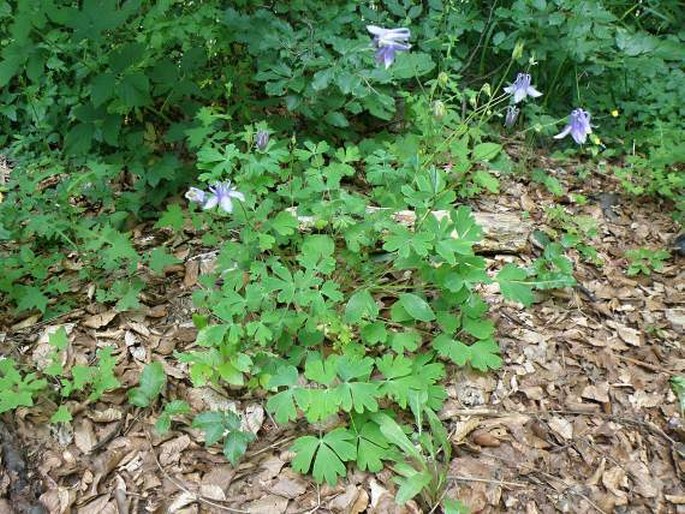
(644, 364)
(271, 446)
(464, 478)
(183, 488)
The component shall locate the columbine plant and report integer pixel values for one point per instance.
(389, 41)
(521, 88)
(578, 126)
(221, 194)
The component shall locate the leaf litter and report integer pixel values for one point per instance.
(580, 418)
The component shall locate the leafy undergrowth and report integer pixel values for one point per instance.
(580, 413)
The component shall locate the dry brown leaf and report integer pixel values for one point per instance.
(644, 483)
(26, 322)
(485, 439)
(171, 450)
(191, 274)
(289, 485)
(463, 429)
(361, 503)
(58, 500)
(269, 504)
(597, 392)
(84, 435)
(343, 502)
(100, 505)
(562, 427)
(212, 491)
(677, 319)
(270, 467)
(627, 334)
(104, 416)
(181, 500)
(615, 480)
(99, 320)
(253, 419)
(219, 476)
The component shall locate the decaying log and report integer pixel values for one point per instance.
(503, 232)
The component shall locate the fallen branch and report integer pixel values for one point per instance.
(503, 232)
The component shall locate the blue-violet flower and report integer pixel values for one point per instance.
(521, 88)
(389, 41)
(196, 195)
(578, 126)
(220, 194)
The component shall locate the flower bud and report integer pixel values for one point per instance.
(439, 109)
(511, 116)
(261, 140)
(443, 79)
(518, 51)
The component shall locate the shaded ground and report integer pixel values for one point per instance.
(581, 417)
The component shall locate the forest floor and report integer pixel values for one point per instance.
(580, 418)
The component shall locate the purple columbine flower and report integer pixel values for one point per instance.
(196, 195)
(389, 41)
(221, 194)
(261, 140)
(511, 116)
(521, 88)
(578, 126)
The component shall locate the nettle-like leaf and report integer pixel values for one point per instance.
(416, 307)
(514, 285)
(360, 305)
(159, 258)
(225, 425)
(325, 456)
(152, 380)
(17, 390)
(172, 408)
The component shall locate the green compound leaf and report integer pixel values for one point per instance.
(482, 355)
(465, 225)
(360, 396)
(513, 282)
(372, 446)
(282, 406)
(325, 456)
(416, 307)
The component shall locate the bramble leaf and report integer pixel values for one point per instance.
(416, 307)
(514, 285)
(360, 305)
